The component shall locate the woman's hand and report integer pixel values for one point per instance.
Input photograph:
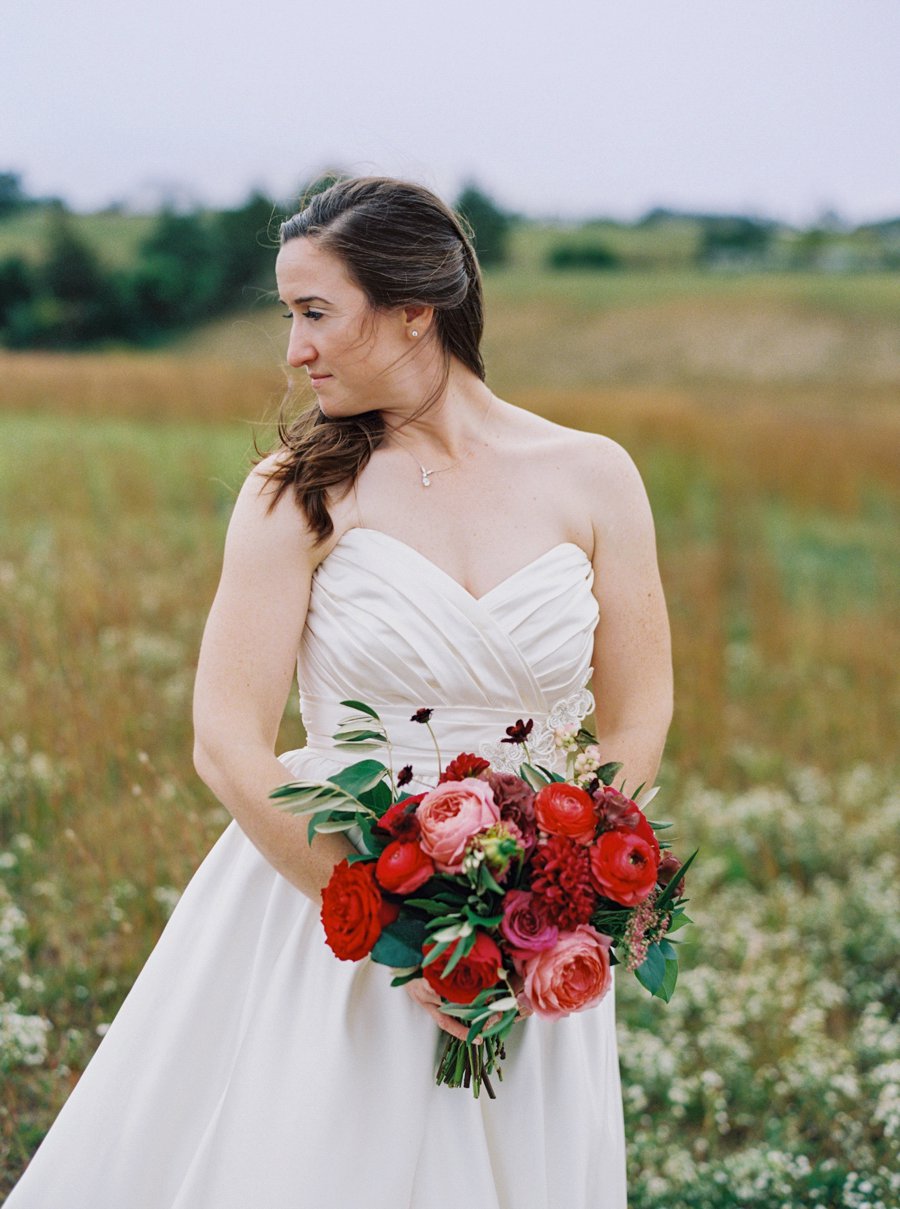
(421, 991)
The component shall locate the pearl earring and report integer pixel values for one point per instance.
(415, 333)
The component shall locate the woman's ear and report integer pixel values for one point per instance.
(417, 318)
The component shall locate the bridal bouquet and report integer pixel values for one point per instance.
(504, 891)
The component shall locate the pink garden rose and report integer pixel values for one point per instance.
(573, 975)
(449, 815)
(525, 926)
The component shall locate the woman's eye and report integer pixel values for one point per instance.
(287, 315)
(312, 314)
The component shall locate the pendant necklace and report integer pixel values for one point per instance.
(425, 472)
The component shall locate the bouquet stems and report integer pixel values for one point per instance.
(468, 1065)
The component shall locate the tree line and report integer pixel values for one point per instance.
(194, 265)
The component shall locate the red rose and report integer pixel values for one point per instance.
(623, 867)
(400, 819)
(351, 909)
(403, 867)
(465, 765)
(389, 912)
(474, 973)
(563, 809)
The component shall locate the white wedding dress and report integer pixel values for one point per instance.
(250, 1068)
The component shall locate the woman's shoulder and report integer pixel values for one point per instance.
(593, 453)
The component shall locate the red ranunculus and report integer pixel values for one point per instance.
(474, 973)
(403, 867)
(563, 809)
(465, 765)
(351, 909)
(635, 820)
(623, 867)
(400, 819)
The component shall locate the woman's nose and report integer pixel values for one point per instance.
(300, 350)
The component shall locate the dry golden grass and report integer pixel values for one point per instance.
(776, 512)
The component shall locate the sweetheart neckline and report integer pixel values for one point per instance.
(446, 574)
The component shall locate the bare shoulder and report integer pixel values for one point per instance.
(273, 521)
(599, 471)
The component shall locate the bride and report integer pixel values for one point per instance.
(412, 541)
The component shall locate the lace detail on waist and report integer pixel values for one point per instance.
(506, 757)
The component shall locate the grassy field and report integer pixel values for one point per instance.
(771, 466)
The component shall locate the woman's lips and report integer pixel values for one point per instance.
(315, 379)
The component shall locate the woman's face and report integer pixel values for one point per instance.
(347, 349)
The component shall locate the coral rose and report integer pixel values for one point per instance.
(403, 867)
(449, 815)
(351, 910)
(623, 867)
(573, 975)
(563, 809)
(479, 970)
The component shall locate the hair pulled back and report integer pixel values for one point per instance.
(401, 245)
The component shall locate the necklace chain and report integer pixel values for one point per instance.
(428, 474)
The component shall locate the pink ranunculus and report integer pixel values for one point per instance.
(449, 815)
(573, 975)
(525, 926)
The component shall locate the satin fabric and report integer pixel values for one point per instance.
(248, 1067)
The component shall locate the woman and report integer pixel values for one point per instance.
(413, 541)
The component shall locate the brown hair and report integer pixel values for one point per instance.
(401, 245)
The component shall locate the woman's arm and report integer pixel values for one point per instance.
(244, 674)
(632, 660)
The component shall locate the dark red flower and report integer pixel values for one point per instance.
(518, 733)
(515, 798)
(465, 765)
(668, 867)
(404, 776)
(400, 819)
(422, 715)
(561, 882)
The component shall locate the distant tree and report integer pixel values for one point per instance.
(78, 301)
(582, 256)
(12, 196)
(178, 277)
(490, 224)
(247, 238)
(733, 238)
(17, 286)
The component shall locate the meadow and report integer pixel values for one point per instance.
(762, 413)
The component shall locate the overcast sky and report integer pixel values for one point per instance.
(569, 108)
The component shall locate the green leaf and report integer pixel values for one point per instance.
(312, 830)
(679, 919)
(652, 971)
(359, 777)
(425, 904)
(400, 944)
(378, 799)
(335, 825)
(463, 948)
(669, 893)
(668, 950)
(606, 772)
(435, 953)
(532, 777)
(404, 978)
(359, 736)
(362, 707)
(667, 988)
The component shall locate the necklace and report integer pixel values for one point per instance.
(425, 472)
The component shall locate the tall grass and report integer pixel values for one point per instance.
(776, 511)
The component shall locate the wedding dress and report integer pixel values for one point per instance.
(250, 1068)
